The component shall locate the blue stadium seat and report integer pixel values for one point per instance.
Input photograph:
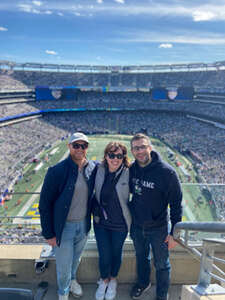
(15, 293)
(24, 294)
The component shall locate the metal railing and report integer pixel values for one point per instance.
(26, 232)
(207, 256)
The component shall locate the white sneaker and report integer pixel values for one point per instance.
(63, 297)
(76, 289)
(100, 292)
(111, 290)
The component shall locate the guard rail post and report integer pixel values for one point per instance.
(206, 267)
(204, 290)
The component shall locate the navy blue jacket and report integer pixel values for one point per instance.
(56, 196)
(153, 188)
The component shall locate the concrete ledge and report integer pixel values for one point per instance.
(17, 262)
(20, 251)
(16, 259)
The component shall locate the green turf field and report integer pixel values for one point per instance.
(196, 206)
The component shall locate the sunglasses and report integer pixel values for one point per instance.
(113, 155)
(137, 148)
(78, 146)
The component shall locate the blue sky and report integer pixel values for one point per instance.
(112, 32)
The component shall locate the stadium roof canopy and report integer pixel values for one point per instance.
(10, 65)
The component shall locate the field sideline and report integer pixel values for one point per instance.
(196, 206)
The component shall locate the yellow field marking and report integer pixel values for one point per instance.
(31, 213)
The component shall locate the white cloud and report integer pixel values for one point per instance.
(50, 52)
(197, 11)
(60, 14)
(177, 36)
(166, 46)
(31, 9)
(28, 9)
(120, 1)
(48, 12)
(36, 11)
(37, 3)
(77, 14)
(194, 11)
(25, 7)
(203, 16)
(206, 11)
(3, 29)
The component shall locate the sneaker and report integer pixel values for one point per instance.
(137, 291)
(75, 289)
(63, 297)
(100, 292)
(111, 290)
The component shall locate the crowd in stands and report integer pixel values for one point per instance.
(179, 131)
(18, 140)
(219, 196)
(121, 100)
(212, 81)
(7, 82)
(20, 236)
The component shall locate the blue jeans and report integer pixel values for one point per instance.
(110, 245)
(154, 238)
(68, 254)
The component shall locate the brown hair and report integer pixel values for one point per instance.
(113, 147)
(139, 136)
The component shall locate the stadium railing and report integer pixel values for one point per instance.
(20, 221)
(206, 257)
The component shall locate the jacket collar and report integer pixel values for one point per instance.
(88, 168)
(71, 163)
(106, 170)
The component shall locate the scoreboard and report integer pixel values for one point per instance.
(56, 93)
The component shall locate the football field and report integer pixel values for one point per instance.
(196, 206)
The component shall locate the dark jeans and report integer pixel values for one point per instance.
(110, 245)
(154, 238)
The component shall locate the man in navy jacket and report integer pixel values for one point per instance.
(154, 186)
(65, 211)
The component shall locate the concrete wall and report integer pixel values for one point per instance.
(19, 268)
